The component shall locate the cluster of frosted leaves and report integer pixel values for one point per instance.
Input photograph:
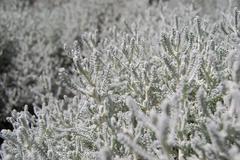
(36, 35)
(59, 130)
(141, 94)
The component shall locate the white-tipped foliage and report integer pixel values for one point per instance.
(160, 88)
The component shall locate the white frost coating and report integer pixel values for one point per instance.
(121, 91)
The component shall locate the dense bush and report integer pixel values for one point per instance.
(32, 40)
(142, 83)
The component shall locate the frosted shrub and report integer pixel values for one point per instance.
(164, 87)
(32, 38)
